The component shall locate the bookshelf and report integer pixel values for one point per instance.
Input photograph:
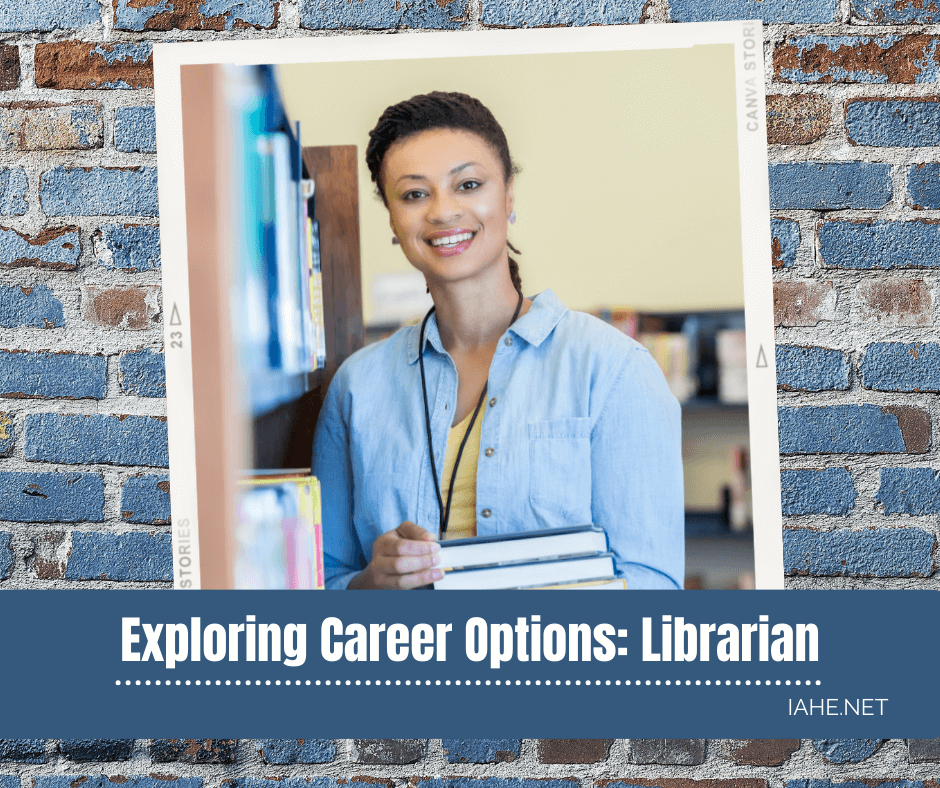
(715, 440)
(275, 307)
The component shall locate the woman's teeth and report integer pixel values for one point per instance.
(451, 240)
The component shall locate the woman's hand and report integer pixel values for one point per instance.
(402, 558)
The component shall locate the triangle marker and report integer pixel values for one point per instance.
(761, 358)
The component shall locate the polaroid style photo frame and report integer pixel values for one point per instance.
(644, 181)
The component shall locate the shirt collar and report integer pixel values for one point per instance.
(534, 326)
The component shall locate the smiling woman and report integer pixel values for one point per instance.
(500, 413)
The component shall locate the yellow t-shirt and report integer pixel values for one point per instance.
(463, 519)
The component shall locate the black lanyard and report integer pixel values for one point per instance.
(445, 510)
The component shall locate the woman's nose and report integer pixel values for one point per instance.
(443, 208)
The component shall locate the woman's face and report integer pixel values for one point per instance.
(448, 203)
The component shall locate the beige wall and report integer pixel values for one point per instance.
(629, 187)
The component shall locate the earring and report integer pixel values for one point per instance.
(395, 240)
(512, 217)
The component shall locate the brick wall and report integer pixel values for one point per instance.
(474, 763)
(854, 130)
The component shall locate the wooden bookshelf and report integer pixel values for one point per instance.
(227, 443)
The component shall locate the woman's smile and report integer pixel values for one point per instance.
(448, 243)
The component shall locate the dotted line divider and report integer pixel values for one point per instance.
(467, 683)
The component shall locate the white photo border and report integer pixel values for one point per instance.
(745, 36)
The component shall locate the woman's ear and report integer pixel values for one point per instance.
(510, 198)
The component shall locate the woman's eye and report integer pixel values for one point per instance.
(414, 194)
(469, 185)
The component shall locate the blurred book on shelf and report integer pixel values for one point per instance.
(738, 510)
(731, 352)
(278, 531)
(277, 313)
(701, 354)
(671, 351)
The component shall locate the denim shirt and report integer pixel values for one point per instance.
(582, 426)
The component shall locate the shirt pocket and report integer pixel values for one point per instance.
(560, 471)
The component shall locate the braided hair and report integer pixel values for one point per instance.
(437, 110)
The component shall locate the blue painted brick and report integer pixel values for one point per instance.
(846, 750)
(6, 566)
(533, 13)
(143, 373)
(500, 782)
(481, 750)
(24, 16)
(193, 750)
(103, 781)
(853, 429)
(893, 123)
(128, 247)
(76, 439)
(23, 751)
(135, 130)
(130, 556)
(44, 126)
(811, 491)
(288, 782)
(45, 374)
(99, 191)
(901, 366)
(923, 186)
(30, 306)
(84, 65)
(767, 10)
(873, 552)
(809, 783)
(13, 191)
(283, 751)
(96, 749)
(146, 499)
(785, 240)
(913, 491)
(57, 248)
(381, 14)
(864, 59)
(811, 368)
(894, 13)
(880, 244)
(51, 497)
(210, 14)
(829, 187)
(9, 781)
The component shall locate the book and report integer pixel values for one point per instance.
(731, 352)
(612, 584)
(278, 532)
(523, 547)
(532, 575)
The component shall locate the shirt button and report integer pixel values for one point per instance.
(493, 402)
(489, 452)
(508, 340)
(486, 513)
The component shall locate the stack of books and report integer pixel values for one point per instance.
(278, 532)
(557, 558)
